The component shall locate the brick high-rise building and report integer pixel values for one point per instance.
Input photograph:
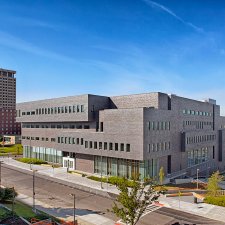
(8, 125)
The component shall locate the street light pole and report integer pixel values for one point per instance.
(1, 173)
(74, 208)
(197, 178)
(101, 169)
(34, 208)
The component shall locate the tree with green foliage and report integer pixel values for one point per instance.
(7, 194)
(132, 202)
(161, 175)
(213, 184)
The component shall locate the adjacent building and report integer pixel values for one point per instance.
(8, 125)
(125, 135)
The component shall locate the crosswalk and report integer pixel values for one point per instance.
(149, 209)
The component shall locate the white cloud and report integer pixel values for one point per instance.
(170, 12)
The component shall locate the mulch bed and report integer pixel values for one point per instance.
(15, 221)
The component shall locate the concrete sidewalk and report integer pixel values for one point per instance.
(60, 173)
(83, 183)
(200, 209)
(84, 217)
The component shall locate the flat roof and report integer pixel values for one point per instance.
(6, 70)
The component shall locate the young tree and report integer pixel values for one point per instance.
(161, 175)
(213, 184)
(7, 194)
(133, 201)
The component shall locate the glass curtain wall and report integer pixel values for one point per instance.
(46, 154)
(125, 167)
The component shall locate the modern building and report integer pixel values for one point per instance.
(125, 135)
(8, 123)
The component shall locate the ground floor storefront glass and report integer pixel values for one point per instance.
(126, 167)
(46, 154)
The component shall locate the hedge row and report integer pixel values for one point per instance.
(111, 180)
(32, 161)
(218, 200)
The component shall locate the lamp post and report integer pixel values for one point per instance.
(74, 208)
(197, 178)
(1, 162)
(34, 208)
(13, 201)
(101, 169)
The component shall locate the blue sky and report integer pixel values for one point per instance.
(114, 47)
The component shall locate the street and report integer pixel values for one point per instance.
(58, 196)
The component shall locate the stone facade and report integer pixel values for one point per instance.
(127, 135)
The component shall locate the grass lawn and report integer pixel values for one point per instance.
(25, 211)
(4, 213)
(14, 150)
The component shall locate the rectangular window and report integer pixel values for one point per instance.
(78, 141)
(116, 146)
(90, 144)
(110, 146)
(95, 145)
(100, 145)
(86, 144)
(121, 147)
(128, 147)
(105, 145)
(81, 141)
(82, 108)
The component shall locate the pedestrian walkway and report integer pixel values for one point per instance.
(66, 214)
(200, 209)
(62, 174)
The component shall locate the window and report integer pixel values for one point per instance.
(90, 144)
(121, 147)
(95, 145)
(81, 141)
(82, 108)
(128, 147)
(110, 146)
(105, 145)
(100, 145)
(116, 147)
(78, 141)
(86, 144)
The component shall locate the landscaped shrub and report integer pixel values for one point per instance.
(111, 180)
(32, 161)
(218, 200)
(7, 194)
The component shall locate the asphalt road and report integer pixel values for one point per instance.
(57, 195)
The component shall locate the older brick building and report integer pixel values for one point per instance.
(125, 135)
(8, 123)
